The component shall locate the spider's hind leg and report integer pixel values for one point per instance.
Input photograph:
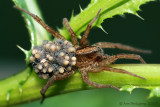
(121, 71)
(44, 89)
(51, 80)
(94, 84)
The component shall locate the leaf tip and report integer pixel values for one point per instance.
(103, 29)
(25, 51)
(72, 15)
(81, 10)
(139, 16)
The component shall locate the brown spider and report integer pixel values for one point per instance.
(85, 58)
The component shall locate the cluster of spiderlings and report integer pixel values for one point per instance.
(53, 57)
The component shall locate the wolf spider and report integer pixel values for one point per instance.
(89, 58)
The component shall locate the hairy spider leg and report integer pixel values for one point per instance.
(45, 26)
(44, 89)
(94, 84)
(121, 71)
(51, 80)
(84, 42)
(73, 35)
(102, 68)
(119, 46)
(113, 58)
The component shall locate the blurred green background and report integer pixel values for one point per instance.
(127, 29)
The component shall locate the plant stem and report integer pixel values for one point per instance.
(26, 86)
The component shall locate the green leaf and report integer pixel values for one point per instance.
(109, 8)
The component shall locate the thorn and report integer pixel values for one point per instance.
(79, 36)
(25, 51)
(139, 16)
(8, 95)
(72, 15)
(20, 90)
(123, 16)
(58, 29)
(80, 8)
(128, 88)
(103, 29)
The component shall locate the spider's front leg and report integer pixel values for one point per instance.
(84, 41)
(119, 46)
(73, 35)
(41, 22)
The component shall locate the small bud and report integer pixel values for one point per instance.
(47, 46)
(61, 54)
(32, 59)
(74, 58)
(34, 51)
(66, 57)
(58, 47)
(46, 64)
(43, 60)
(50, 42)
(50, 69)
(44, 70)
(71, 49)
(37, 56)
(65, 62)
(61, 70)
(40, 67)
(44, 76)
(47, 55)
(73, 63)
(65, 42)
(69, 68)
(36, 70)
(50, 58)
(53, 48)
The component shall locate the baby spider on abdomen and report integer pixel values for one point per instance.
(59, 59)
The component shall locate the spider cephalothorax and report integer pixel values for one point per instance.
(59, 59)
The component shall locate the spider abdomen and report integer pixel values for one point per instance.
(53, 58)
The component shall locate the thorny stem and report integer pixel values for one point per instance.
(17, 89)
(26, 85)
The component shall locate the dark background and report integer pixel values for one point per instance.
(129, 30)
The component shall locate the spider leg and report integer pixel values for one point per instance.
(105, 56)
(94, 84)
(73, 35)
(44, 89)
(51, 80)
(84, 41)
(113, 58)
(45, 26)
(121, 71)
(119, 46)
